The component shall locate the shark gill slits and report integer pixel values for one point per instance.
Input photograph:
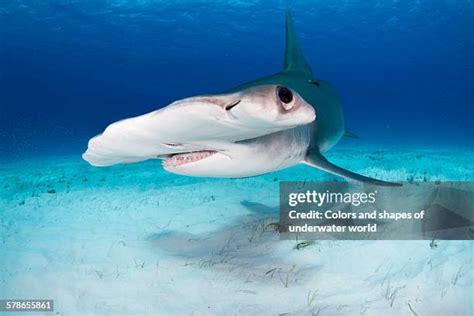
(316, 83)
(231, 105)
(285, 95)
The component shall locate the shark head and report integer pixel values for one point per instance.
(271, 106)
(264, 108)
(198, 125)
(258, 111)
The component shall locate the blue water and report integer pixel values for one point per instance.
(135, 239)
(404, 69)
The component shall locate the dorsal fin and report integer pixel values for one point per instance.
(294, 58)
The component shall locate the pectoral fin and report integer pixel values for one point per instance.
(316, 160)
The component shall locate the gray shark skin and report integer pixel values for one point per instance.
(328, 128)
(261, 126)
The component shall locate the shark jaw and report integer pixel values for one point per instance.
(176, 160)
(247, 158)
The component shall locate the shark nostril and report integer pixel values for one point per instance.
(231, 105)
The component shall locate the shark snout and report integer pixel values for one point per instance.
(265, 107)
(219, 101)
(303, 115)
(310, 113)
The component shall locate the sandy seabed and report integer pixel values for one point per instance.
(133, 239)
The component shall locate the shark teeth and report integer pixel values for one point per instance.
(185, 158)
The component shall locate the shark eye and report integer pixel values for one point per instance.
(285, 95)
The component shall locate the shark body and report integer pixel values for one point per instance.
(258, 127)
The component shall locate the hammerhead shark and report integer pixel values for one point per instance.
(261, 126)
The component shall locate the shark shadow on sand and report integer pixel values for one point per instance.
(248, 247)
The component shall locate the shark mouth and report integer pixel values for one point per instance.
(180, 159)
